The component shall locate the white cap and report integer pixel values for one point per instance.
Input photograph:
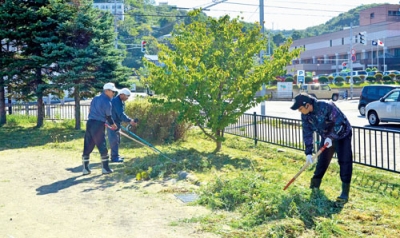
(110, 86)
(125, 91)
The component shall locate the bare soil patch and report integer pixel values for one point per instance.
(43, 194)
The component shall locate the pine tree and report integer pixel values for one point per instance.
(84, 56)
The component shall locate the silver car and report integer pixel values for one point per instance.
(387, 109)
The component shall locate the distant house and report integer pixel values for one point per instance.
(153, 59)
(116, 7)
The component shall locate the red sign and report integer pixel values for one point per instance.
(353, 58)
(344, 64)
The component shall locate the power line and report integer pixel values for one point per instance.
(292, 8)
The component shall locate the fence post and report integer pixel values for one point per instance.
(255, 127)
(27, 109)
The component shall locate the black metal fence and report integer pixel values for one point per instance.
(371, 147)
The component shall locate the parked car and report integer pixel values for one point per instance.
(359, 73)
(372, 73)
(387, 109)
(372, 93)
(395, 72)
(320, 91)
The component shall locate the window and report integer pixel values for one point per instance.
(330, 43)
(372, 15)
(342, 41)
(393, 97)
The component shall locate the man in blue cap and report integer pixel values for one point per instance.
(99, 113)
(119, 116)
(332, 125)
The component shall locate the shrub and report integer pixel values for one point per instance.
(378, 76)
(308, 79)
(339, 79)
(274, 82)
(387, 79)
(371, 79)
(356, 79)
(154, 123)
(322, 79)
(288, 79)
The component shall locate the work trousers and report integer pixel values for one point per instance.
(344, 153)
(114, 139)
(95, 136)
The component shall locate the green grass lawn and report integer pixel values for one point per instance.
(243, 184)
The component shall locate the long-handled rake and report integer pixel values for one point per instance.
(141, 141)
(315, 157)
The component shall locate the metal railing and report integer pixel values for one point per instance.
(51, 111)
(371, 147)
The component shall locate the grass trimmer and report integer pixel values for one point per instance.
(315, 157)
(141, 141)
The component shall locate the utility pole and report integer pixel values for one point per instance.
(351, 61)
(262, 53)
(115, 24)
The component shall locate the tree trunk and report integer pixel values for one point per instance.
(39, 94)
(40, 115)
(219, 134)
(3, 118)
(77, 109)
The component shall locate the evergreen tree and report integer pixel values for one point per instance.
(84, 56)
(26, 22)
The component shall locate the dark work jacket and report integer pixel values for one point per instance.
(100, 108)
(118, 111)
(327, 120)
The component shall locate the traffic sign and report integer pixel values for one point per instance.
(353, 58)
(353, 51)
(344, 64)
(300, 76)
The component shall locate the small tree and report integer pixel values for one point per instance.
(212, 74)
(289, 79)
(378, 76)
(339, 80)
(308, 79)
(371, 79)
(322, 79)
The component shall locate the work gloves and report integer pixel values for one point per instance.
(309, 159)
(328, 142)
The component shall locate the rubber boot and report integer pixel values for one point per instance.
(315, 183)
(85, 164)
(344, 197)
(104, 163)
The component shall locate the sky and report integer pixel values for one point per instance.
(279, 14)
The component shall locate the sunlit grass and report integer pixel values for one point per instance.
(243, 184)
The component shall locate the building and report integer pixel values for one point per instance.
(326, 53)
(116, 7)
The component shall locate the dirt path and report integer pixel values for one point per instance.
(42, 194)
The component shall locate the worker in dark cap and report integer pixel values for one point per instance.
(325, 118)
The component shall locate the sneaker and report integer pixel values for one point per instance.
(117, 160)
